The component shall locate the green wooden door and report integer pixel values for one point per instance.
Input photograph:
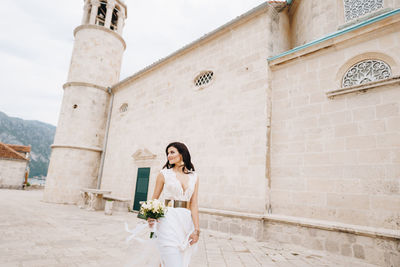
(142, 184)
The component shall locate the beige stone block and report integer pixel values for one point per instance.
(349, 129)
(349, 186)
(314, 147)
(316, 159)
(375, 156)
(318, 97)
(380, 186)
(371, 127)
(279, 94)
(332, 246)
(348, 157)
(387, 203)
(388, 140)
(284, 171)
(393, 124)
(364, 114)
(322, 171)
(304, 123)
(341, 117)
(358, 251)
(387, 110)
(280, 196)
(337, 144)
(345, 250)
(309, 110)
(355, 201)
(360, 142)
(362, 100)
(300, 101)
(321, 185)
(352, 216)
(364, 171)
(334, 105)
(309, 198)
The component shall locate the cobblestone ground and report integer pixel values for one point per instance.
(34, 233)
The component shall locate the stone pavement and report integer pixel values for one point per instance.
(34, 233)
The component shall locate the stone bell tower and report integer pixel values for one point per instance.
(95, 66)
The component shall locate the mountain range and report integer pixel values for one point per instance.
(37, 134)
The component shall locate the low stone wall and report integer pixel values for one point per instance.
(375, 246)
(232, 223)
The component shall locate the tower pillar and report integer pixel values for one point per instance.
(93, 13)
(110, 10)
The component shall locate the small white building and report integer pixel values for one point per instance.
(14, 160)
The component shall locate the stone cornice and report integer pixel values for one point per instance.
(102, 28)
(363, 87)
(69, 84)
(365, 27)
(95, 149)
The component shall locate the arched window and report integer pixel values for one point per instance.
(357, 8)
(366, 71)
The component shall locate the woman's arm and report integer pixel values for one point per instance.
(159, 186)
(195, 214)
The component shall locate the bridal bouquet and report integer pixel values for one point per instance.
(154, 209)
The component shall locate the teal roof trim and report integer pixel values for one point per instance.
(338, 33)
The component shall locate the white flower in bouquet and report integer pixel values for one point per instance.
(154, 209)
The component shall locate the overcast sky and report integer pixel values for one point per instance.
(37, 40)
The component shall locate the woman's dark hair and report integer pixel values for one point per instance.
(184, 151)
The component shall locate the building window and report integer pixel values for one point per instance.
(204, 78)
(366, 71)
(357, 8)
(123, 108)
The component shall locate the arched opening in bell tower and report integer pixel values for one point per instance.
(114, 19)
(101, 14)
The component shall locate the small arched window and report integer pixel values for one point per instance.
(203, 78)
(366, 71)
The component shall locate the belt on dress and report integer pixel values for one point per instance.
(177, 203)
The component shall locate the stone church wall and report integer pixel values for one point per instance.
(223, 124)
(337, 159)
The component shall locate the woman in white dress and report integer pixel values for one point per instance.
(177, 232)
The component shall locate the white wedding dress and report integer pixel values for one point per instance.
(174, 229)
(171, 246)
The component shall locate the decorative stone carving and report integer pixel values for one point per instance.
(143, 154)
(366, 71)
(357, 8)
